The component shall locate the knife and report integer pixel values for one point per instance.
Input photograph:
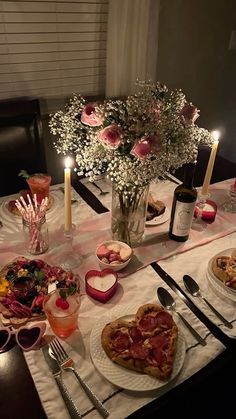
(56, 372)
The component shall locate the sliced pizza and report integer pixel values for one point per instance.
(224, 268)
(146, 345)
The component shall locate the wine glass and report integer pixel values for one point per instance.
(230, 204)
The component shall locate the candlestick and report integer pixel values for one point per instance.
(210, 165)
(67, 186)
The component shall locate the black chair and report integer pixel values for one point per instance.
(21, 143)
(223, 169)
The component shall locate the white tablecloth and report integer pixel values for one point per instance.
(139, 288)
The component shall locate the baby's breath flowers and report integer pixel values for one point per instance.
(134, 140)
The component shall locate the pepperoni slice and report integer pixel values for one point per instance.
(148, 323)
(159, 341)
(158, 355)
(164, 320)
(120, 341)
(138, 351)
(135, 334)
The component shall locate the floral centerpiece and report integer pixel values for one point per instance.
(135, 140)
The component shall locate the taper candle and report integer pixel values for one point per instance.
(211, 162)
(67, 186)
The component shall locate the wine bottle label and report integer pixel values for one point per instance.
(183, 218)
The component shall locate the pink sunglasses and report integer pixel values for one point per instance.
(26, 337)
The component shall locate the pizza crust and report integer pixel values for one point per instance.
(121, 347)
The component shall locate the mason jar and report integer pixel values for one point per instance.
(36, 236)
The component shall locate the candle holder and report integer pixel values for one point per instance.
(230, 204)
(69, 260)
(205, 209)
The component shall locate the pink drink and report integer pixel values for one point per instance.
(62, 322)
(39, 184)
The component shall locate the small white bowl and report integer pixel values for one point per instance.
(113, 265)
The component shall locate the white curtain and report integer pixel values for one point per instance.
(132, 41)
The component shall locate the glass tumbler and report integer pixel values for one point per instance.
(63, 320)
(39, 184)
(36, 236)
(230, 204)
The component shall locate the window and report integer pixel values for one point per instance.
(51, 49)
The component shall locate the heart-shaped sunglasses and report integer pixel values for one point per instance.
(26, 337)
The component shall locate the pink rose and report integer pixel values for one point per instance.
(89, 117)
(189, 114)
(110, 136)
(147, 145)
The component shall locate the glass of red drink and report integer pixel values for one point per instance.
(39, 184)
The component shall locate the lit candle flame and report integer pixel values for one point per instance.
(68, 162)
(216, 135)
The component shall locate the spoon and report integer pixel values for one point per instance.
(100, 189)
(192, 286)
(168, 302)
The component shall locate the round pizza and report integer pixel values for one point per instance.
(23, 286)
(147, 344)
(224, 268)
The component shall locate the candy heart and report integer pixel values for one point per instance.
(101, 285)
(103, 251)
(115, 247)
(125, 253)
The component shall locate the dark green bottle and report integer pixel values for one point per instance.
(184, 200)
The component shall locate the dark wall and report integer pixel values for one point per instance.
(54, 161)
(194, 55)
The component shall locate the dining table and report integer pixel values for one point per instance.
(200, 381)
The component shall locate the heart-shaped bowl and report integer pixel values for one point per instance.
(113, 254)
(101, 285)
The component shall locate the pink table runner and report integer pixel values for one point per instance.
(156, 244)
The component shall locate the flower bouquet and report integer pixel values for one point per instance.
(134, 140)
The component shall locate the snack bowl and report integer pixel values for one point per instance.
(113, 254)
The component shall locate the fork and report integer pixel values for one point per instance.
(67, 363)
(100, 189)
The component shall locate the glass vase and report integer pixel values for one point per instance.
(129, 215)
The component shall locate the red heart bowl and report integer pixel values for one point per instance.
(101, 285)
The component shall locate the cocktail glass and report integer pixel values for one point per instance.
(39, 184)
(62, 321)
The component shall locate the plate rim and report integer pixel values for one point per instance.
(160, 221)
(130, 311)
(18, 216)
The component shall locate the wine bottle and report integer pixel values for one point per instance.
(183, 205)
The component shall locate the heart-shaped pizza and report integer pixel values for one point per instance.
(23, 286)
(147, 344)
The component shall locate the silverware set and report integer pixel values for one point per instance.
(192, 287)
(64, 362)
(100, 189)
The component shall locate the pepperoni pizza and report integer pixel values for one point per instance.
(147, 344)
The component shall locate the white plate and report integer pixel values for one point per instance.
(216, 282)
(6, 214)
(116, 374)
(160, 219)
